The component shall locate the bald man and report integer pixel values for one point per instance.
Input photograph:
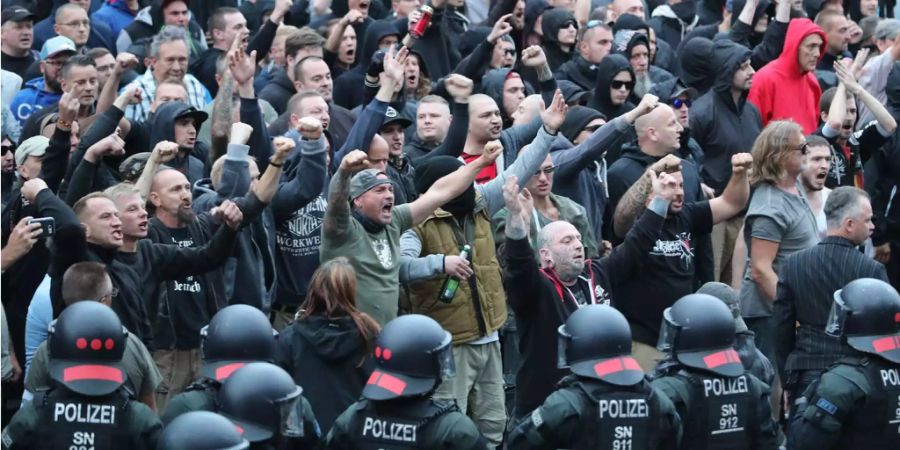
(620, 7)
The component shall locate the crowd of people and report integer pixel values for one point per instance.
(473, 224)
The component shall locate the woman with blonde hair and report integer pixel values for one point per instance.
(327, 347)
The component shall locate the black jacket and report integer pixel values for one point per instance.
(279, 90)
(142, 33)
(541, 304)
(606, 71)
(350, 88)
(191, 164)
(883, 172)
(579, 71)
(553, 21)
(329, 358)
(721, 126)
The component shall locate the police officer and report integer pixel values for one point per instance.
(606, 402)
(412, 356)
(202, 430)
(856, 403)
(236, 335)
(86, 406)
(263, 401)
(722, 406)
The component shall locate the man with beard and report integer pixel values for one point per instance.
(593, 45)
(635, 46)
(818, 162)
(185, 305)
(543, 293)
(168, 58)
(850, 150)
(45, 90)
(17, 37)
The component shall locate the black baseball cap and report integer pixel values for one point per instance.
(17, 14)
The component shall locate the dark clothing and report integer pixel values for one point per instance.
(578, 415)
(882, 176)
(825, 70)
(350, 87)
(163, 129)
(110, 422)
(847, 161)
(668, 272)
(553, 20)
(279, 90)
(148, 22)
(765, 49)
(542, 303)
(330, 359)
(437, 424)
(579, 71)
(19, 64)
(199, 396)
(721, 126)
(806, 285)
(853, 405)
(203, 67)
(719, 412)
(611, 66)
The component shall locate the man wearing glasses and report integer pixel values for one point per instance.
(70, 19)
(44, 91)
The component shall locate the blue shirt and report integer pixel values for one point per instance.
(40, 314)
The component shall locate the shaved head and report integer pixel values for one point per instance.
(653, 119)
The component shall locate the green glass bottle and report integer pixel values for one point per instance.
(451, 284)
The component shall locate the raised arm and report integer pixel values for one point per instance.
(307, 178)
(352, 17)
(267, 186)
(162, 153)
(885, 120)
(82, 181)
(337, 213)
(632, 203)
(737, 192)
(450, 186)
(173, 261)
(243, 69)
(124, 62)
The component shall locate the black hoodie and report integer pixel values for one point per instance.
(330, 359)
(164, 130)
(611, 66)
(350, 87)
(883, 174)
(492, 85)
(279, 90)
(721, 126)
(553, 21)
(141, 33)
(696, 71)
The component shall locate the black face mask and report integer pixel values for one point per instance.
(684, 11)
(370, 225)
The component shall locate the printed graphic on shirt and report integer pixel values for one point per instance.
(382, 249)
(680, 247)
(302, 234)
(187, 284)
(838, 169)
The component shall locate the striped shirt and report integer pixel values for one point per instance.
(198, 96)
(806, 285)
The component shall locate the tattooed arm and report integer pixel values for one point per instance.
(633, 202)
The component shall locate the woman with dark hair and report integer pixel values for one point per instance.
(327, 347)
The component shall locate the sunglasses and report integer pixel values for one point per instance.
(678, 103)
(509, 52)
(570, 23)
(804, 148)
(7, 148)
(545, 170)
(616, 84)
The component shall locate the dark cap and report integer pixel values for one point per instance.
(133, 166)
(392, 116)
(17, 14)
(366, 180)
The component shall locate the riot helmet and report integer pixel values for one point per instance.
(595, 342)
(412, 356)
(263, 401)
(201, 430)
(699, 332)
(86, 344)
(866, 312)
(236, 335)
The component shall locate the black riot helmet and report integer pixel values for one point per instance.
(86, 345)
(236, 335)
(866, 312)
(201, 430)
(595, 342)
(699, 332)
(412, 356)
(263, 401)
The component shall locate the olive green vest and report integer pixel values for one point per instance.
(440, 234)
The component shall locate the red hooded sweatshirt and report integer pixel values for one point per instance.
(780, 91)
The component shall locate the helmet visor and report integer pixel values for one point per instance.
(562, 346)
(443, 356)
(667, 332)
(838, 315)
(291, 412)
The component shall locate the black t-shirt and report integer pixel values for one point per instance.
(18, 65)
(186, 300)
(667, 273)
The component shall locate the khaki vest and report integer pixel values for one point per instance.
(438, 236)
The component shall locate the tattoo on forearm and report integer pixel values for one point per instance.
(631, 205)
(337, 214)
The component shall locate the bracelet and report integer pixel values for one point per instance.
(60, 123)
(276, 165)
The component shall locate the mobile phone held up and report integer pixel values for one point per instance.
(48, 225)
